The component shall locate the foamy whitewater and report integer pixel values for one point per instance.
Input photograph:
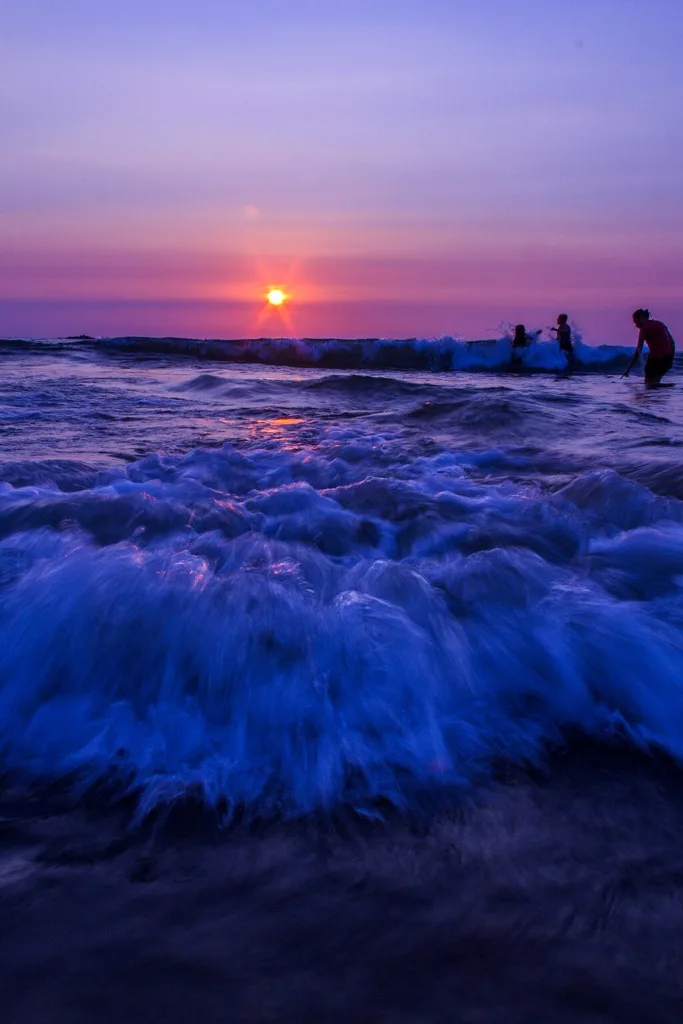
(360, 573)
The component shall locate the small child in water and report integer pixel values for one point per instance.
(564, 334)
(521, 339)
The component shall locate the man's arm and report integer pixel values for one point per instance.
(639, 349)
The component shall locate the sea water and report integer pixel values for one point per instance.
(285, 576)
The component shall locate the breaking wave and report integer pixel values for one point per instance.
(426, 354)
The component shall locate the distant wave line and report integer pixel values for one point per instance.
(444, 354)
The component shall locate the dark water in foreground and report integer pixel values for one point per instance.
(446, 605)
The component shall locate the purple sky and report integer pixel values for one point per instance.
(397, 167)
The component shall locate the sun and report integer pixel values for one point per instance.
(276, 297)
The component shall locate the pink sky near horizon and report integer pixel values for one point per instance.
(399, 169)
(222, 295)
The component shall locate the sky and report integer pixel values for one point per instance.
(397, 168)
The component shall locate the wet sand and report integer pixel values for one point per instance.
(547, 898)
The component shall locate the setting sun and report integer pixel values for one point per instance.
(276, 297)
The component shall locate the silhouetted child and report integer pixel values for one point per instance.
(520, 338)
(564, 334)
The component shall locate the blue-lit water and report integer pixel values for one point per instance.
(282, 589)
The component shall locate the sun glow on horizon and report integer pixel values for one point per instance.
(276, 297)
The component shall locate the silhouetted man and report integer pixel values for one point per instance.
(661, 347)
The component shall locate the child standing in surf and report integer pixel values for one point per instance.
(661, 347)
(564, 335)
(521, 339)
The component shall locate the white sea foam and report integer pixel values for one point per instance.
(282, 630)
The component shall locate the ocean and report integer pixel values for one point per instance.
(402, 596)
